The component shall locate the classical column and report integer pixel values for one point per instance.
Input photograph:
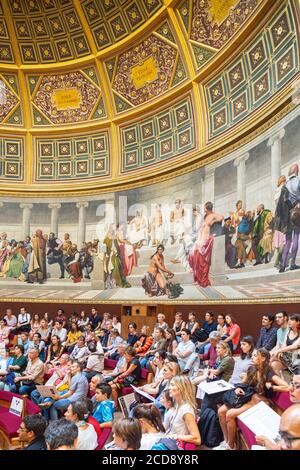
(209, 185)
(81, 222)
(54, 217)
(26, 220)
(275, 143)
(240, 164)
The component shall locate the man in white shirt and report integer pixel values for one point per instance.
(23, 322)
(188, 359)
(59, 331)
(282, 321)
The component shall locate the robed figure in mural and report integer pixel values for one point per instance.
(200, 255)
(114, 274)
(37, 265)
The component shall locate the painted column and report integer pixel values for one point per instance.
(54, 217)
(276, 147)
(209, 185)
(81, 222)
(240, 164)
(26, 220)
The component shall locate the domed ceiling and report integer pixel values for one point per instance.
(109, 94)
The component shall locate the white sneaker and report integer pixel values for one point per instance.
(222, 446)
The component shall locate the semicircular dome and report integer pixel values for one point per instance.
(115, 94)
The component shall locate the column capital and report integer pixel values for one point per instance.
(278, 136)
(81, 204)
(54, 205)
(26, 206)
(209, 172)
(242, 159)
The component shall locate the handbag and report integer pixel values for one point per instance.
(291, 359)
(232, 400)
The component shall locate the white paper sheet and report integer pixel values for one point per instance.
(262, 421)
(215, 387)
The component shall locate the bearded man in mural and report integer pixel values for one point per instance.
(200, 255)
(37, 264)
(262, 235)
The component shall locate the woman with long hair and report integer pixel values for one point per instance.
(243, 363)
(54, 353)
(127, 434)
(264, 380)
(233, 332)
(284, 357)
(183, 424)
(151, 423)
(155, 280)
(171, 340)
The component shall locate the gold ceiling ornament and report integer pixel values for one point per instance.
(159, 18)
(219, 10)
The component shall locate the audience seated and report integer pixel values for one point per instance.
(175, 362)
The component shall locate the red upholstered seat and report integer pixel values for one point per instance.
(103, 438)
(109, 363)
(282, 400)
(248, 435)
(126, 390)
(144, 374)
(9, 422)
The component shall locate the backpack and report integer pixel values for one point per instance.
(210, 429)
(165, 443)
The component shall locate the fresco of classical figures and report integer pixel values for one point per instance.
(228, 230)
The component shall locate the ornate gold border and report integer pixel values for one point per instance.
(279, 300)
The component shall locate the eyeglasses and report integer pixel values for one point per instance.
(288, 440)
(295, 385)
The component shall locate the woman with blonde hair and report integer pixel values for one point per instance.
(183, 425)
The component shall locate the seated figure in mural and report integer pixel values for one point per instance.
(74, 266)
(3, 240)
(177, 226)
(156, 226)
(86, 259)
(138, 230)
(113, 269)
(127, 250)
(200, 255)
(16, 260)
(155, 280)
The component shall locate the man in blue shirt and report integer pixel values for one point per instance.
(268, 333)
